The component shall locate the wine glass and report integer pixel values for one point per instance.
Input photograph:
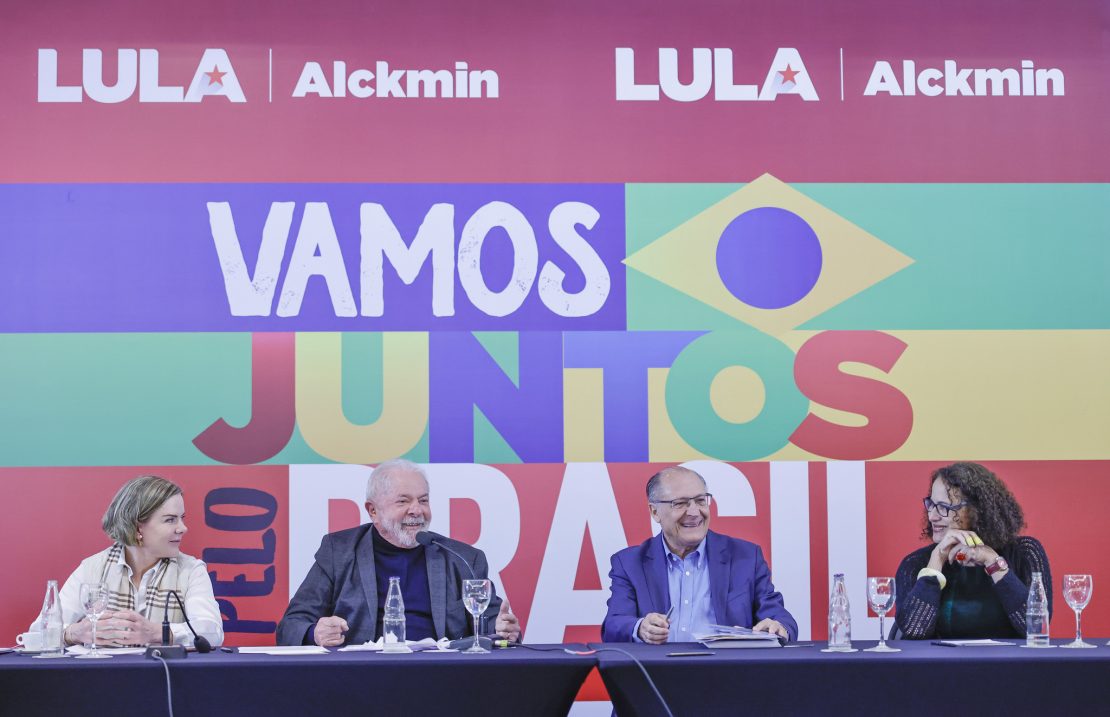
(94, 601)
(880, 595)
(1077, 593)
(476, 595)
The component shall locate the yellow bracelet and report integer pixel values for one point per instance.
(930, 573)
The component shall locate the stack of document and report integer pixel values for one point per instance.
(425, 645)
(726, 636)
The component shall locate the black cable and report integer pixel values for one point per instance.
(651, 683)
(590, 650)
(169, 690)
(506, 643)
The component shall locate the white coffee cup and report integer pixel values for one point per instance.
(31, 641)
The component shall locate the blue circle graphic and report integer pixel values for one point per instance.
(769, 258)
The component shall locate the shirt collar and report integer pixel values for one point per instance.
(672, 557)
(121, 561)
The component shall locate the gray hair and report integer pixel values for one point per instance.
(134, 503)
(380, 477)
(653, 487)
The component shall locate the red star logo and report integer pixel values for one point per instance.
(788, 74)
(215, 77)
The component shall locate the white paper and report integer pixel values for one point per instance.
(284, 650)
(82, 650)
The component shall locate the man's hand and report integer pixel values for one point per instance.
(655, 628)
(772, 626)
(330, 631)
(507, 626)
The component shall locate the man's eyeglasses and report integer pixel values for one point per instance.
(944, 509)
(702, 501)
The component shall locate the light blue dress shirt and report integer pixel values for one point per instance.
(688, 582)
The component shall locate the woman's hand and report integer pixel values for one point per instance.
(79, 633)
(977, 555)
(127, 627)
(963, 547)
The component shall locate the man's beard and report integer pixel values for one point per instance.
(394, 531)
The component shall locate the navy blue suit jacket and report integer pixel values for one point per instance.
(739, 586)
(342, 582)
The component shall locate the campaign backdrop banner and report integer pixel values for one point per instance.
(544, 250)
(325, 257)
(555, 91)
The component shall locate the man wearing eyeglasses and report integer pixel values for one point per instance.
(677, 584)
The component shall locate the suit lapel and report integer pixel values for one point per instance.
(364, 558)
(719, 574)
(655, 575)
(437, 588)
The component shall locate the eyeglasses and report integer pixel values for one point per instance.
(944, 509)
(702, 501)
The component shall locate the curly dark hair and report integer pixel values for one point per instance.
(992, 510)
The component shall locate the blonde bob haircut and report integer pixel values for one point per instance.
(135, 502)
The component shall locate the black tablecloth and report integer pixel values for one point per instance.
(923, 679)
(504, 682)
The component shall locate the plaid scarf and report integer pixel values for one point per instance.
(121, 591)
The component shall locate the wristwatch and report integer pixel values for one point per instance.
(998, 564)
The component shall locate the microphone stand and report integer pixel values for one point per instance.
(169, 651)
(167, 635)
(426, 538)
(199, 641)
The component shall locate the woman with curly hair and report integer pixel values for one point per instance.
(974, 580)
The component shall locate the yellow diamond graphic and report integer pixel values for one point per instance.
(685, 258)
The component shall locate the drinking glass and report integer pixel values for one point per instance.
(880, 595)
(476, 595)
(94, 601)
(1077, 593)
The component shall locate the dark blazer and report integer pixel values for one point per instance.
(739, 586)
(342, 582)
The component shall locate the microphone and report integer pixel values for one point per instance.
(166, 635)
(167, 650)
(426, 537)
(199, 641)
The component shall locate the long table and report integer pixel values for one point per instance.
(924, 679)
(508, 682)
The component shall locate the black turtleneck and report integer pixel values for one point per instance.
(409, 565)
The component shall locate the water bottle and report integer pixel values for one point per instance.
(393, 622)
(840, 617)
(50, 622)
(1036, 614)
